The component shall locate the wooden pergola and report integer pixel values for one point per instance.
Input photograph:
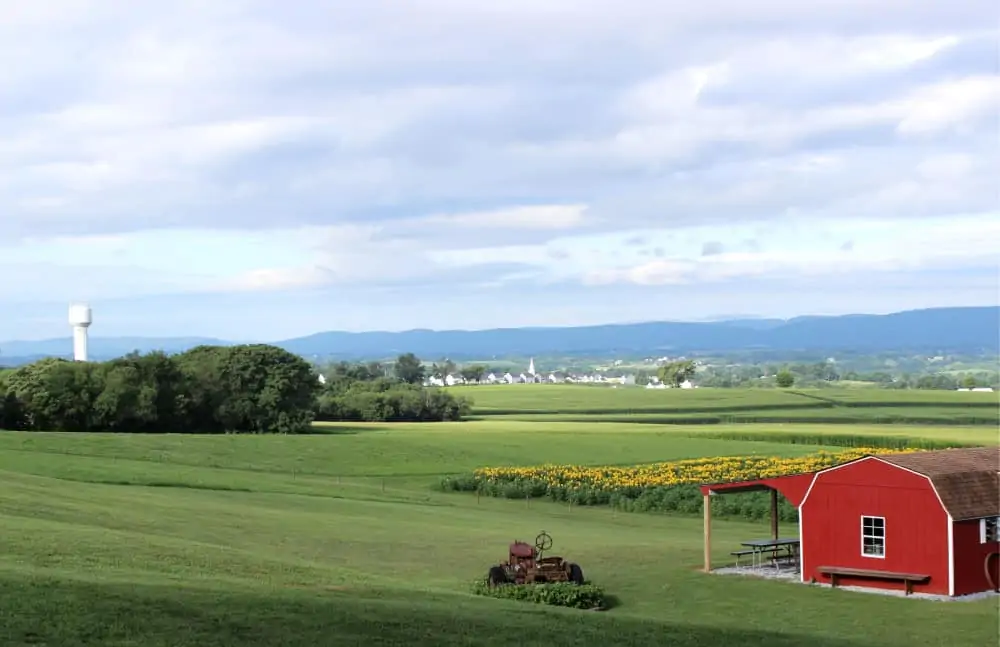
(793, 487)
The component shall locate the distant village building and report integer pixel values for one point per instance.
(532, 376)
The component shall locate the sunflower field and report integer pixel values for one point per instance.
(654, 487)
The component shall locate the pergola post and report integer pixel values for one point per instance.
(708, 533)
(774, 514)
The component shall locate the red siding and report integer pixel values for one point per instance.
(916, 526)
(793, 487)
(970, 559)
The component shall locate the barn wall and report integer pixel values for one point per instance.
(970, 559)
(916, 525)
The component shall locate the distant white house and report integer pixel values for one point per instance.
(686, 384)
(531, 376)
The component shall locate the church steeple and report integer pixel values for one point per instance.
(531, 366)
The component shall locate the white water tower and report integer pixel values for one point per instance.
(80, 318)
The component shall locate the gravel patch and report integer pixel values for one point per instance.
(790, 575)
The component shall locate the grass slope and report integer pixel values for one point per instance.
(337, 540)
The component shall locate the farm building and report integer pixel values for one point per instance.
(923, 521)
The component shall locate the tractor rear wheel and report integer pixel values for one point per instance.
(575, 574)
(496, 576)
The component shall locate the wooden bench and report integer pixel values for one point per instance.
(740, 553)
(908, 579)
(769, 552)
(774, 554)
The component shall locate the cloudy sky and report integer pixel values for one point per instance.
(262, 170)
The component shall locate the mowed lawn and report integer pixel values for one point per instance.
(338, 539)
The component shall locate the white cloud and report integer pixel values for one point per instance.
(765, 249)
(949, 104)
(239, 145)
(554, 217)
(267, 280)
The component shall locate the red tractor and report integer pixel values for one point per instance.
(526, 565)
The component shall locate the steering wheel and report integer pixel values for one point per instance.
(543, 541)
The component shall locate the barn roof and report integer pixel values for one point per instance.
(791, 486)
(967, 480)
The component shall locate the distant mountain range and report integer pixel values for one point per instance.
(974, 329)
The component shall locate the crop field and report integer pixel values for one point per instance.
(713, 406)
(564, 398)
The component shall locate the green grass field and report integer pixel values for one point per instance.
(676, 406)
(339, 539)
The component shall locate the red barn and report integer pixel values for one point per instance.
(926, 521)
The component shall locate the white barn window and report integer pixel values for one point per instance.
(873, 536)
(989, 530)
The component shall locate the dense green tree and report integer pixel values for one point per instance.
(353, 372)
(641, 378)
(409, 369)
(253, 388)
(784, 378)
(385, 399)
(676, 373)
(28, 386)
(473, 372)
(11, 414)
(265, 389)
(143, 393)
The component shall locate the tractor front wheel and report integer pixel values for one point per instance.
(575, 574)
(496, 576)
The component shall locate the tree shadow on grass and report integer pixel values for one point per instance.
(320, 429)
(42, 611)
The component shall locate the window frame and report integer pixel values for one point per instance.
(984, 533)
(866, 535)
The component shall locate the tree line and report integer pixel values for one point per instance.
(374, 392)
(252, 388)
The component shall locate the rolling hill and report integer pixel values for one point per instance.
(972, 329)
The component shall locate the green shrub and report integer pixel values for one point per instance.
(559, 594)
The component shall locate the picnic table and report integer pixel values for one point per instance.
(779, 550)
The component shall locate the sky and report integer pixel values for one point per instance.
(260, 170)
